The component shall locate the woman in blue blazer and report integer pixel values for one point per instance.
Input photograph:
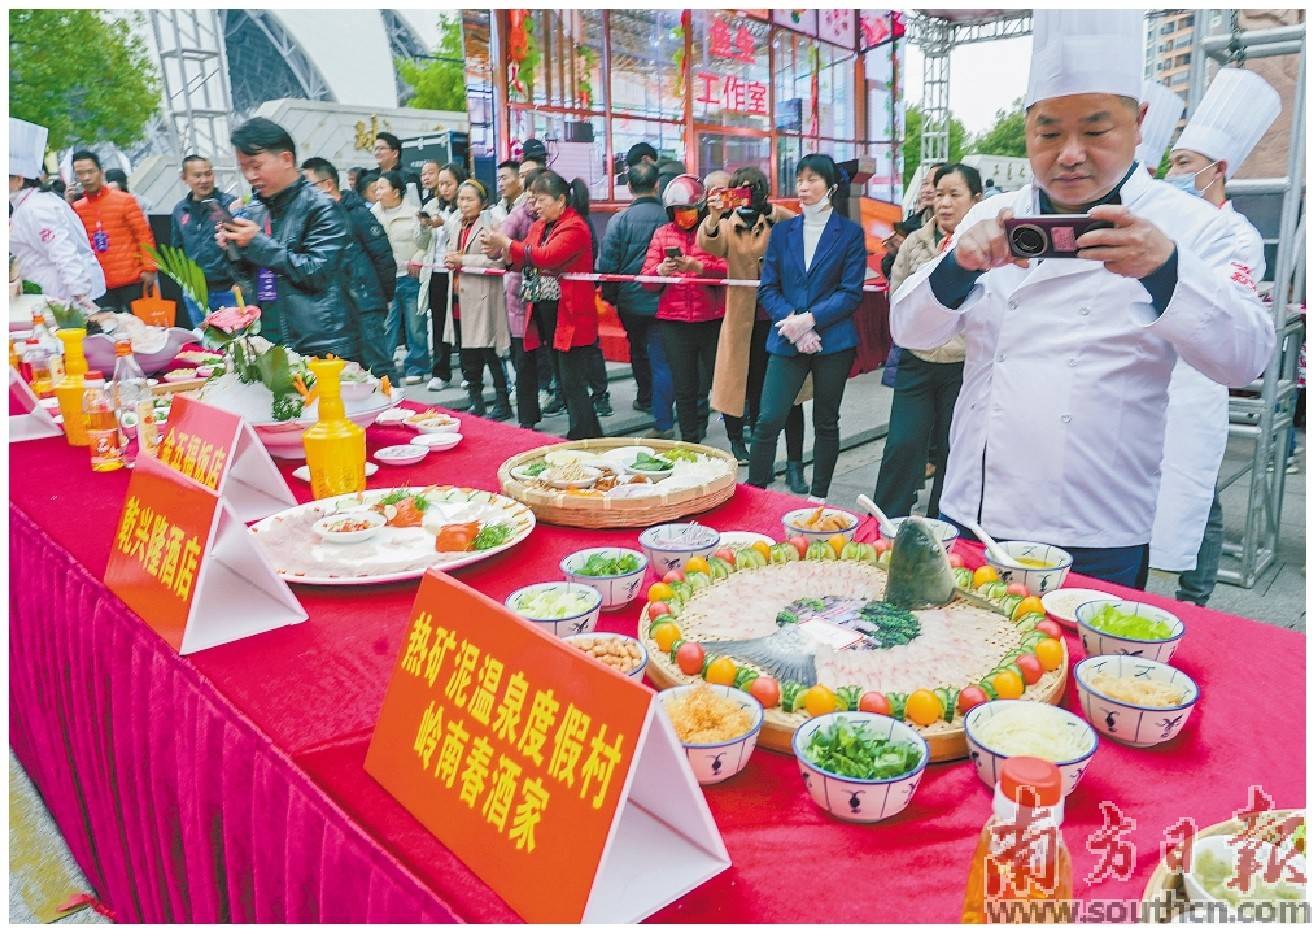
(811, 279)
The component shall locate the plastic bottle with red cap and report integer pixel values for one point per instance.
(1021, 855)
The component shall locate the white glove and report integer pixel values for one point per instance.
(809, 343)
(795, 326)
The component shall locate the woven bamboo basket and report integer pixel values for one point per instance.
(555, 506)
(1166, 887)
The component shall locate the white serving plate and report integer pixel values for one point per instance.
(460, 504)
(303, 472)
(438, 441)
(401, 455)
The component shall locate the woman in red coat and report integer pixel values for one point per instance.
(560, 314)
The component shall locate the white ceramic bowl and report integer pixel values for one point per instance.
(618, 590)
(286, 439)
(451, 425)
(669, 547)
(853, 799)
(585, 620)
(792, 519)
(988, 761)
(520, 474)
(99, 351)
(636, 673)
(589, 477)
(946, 532)
(714, 762)
(1062, 603)
(303, 472)
(401, 454)
(1130, 723)
(323, 527)
(651, 475)
(357, 390)
(438, 441)
(1226, 848)
(1037, 580)
(1096, 642)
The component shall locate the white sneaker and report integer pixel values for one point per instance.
(438, 384)
(813, 499)
(414, 379)
(464, 385)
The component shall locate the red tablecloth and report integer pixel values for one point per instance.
(229, 785)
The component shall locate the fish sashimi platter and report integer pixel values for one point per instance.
(813, 627)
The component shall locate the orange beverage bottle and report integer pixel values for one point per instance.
(334, 446)
(102, 424)
(1021, 857)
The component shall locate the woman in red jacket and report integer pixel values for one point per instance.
(561, 314)
(688, 316)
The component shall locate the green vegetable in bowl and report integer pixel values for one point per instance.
(844, 750)
(1215, 875)
(491, 536)
(536, 468)
(1128, 625)
(554, 602)
(646, 462)
(680, 454)
(601, 565)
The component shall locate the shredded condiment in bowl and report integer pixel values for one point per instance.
(702, 716)
(1136, 690)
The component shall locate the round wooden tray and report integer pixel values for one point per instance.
(1166, 887)
(946, 743)
(555, 506)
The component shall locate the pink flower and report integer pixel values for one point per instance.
(233, 318)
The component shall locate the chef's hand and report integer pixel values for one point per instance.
(239, 232)
(1132, 248)
(795, 326)
(984, 246)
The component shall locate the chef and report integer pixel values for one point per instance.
(1057, 432)
(45, 235)
(1233, 116)
(1164, 109)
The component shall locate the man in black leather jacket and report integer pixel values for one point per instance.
(369, 268)
(290, 247)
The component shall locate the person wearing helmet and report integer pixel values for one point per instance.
(688, 316)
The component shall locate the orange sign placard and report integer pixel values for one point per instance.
(163, 536)
(509, 745)
(198, 441)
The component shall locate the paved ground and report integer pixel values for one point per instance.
(42, 874)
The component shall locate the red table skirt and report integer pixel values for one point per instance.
(228, 785)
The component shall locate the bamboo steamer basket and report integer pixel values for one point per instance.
(584, 512)
(1166, 887)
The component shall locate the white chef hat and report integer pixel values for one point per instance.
(27, 148)
(1234, 114)
(1164, 109)
(1086, 52)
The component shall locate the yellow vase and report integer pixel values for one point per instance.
(334, 446)
(69, 389)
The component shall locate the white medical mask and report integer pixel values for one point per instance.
(1187, 182)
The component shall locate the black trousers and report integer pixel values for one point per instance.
(572, 370)
(472, 361)
(437, 290)
(636, 326)
(923, 398)
(690, 353)
(119, 299)
(794, 425)
(784, 377)
(598, 383)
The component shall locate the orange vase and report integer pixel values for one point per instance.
(334, 446)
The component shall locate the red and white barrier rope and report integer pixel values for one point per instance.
(625, 278)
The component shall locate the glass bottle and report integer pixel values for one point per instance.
(69, 388)
(334, 446)
(1021, 855)
(35, 369)
(133, 403)
(45, 336)
(101, 424)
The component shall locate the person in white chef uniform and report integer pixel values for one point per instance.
(1058, 429)
(45, 235)
(1235, 113)
(1164, 109)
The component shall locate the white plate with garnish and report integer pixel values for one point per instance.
(303, 472)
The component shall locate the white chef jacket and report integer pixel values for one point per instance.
(50, 243)
(1062, 408)
(1197, 426)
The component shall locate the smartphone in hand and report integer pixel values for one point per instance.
(1049, 236)
(673, 252)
